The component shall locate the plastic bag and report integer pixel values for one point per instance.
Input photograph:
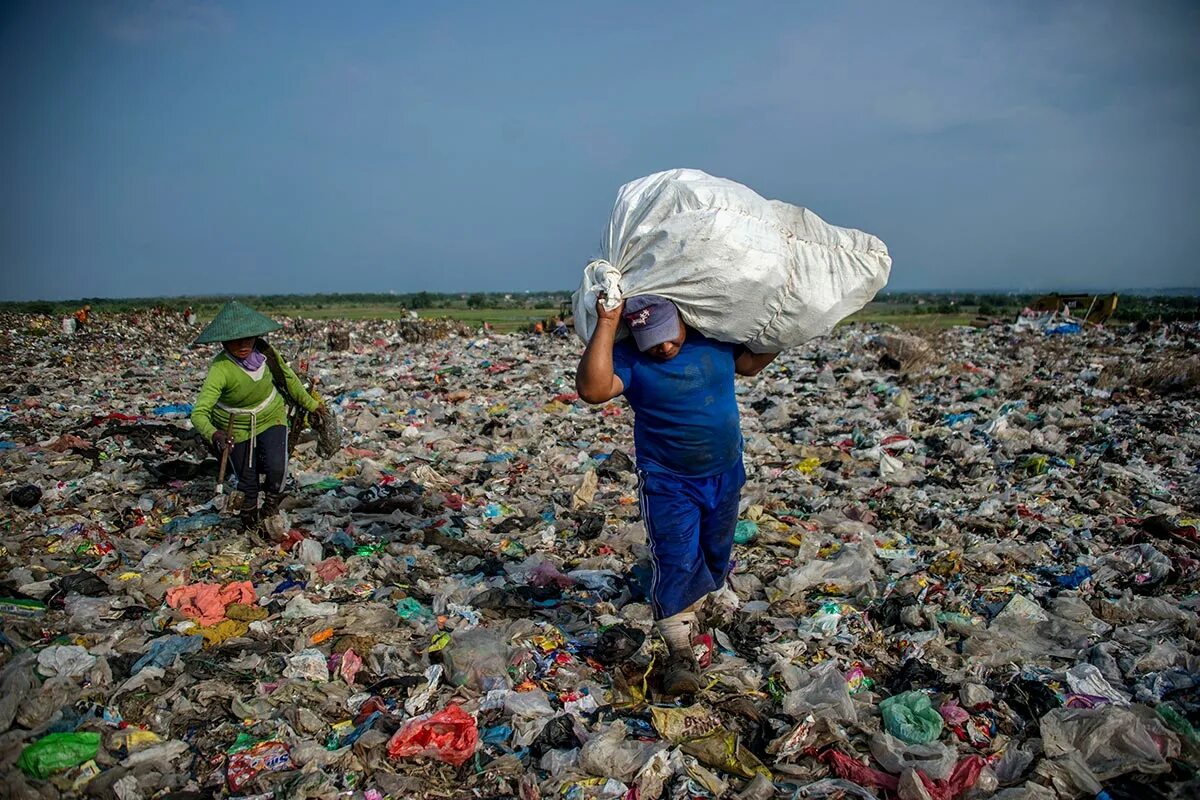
(911, 718)
(724, 751)
(934, 759)
(17, 681)
(58, 751)
(1087, 679)
(329, 434)
(826, 694)
(610, 755)
(556, 762)
(308, 665)
(556, 734)
(618, 644)
(677, 725)
(25, 496)
(852, 569)
(653, 777)
(165, 649)
(533, 703)
(450, 735)
(1015, 762)
(68, 660)
(477, 658)
(1111, 740)
(249, 760)
(833, 788)
(739, 267)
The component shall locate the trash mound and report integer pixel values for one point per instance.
(975, 579)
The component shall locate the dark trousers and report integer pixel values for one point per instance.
(690, 523)
(270, 461)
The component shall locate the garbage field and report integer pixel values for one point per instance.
(966, 566)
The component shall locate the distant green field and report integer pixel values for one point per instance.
(506, 320)
(502, 319)
(914, 321)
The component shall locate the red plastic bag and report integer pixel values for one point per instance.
(450, 735)
(965, 775)
(852, 769)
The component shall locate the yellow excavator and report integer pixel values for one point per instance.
(565, 313)
(1094, 308)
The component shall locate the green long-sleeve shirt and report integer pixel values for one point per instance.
(231, 385)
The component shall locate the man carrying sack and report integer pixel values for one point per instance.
(688, 439)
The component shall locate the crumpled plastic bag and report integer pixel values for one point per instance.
(1112, 740)
(852, 569)
(826, 694)
(1086, 679)
(450, 735)
(677, 725)
(16, 682)
(934, 759)
(610, 755)
(833, 788)
(309, 665)
(67, 660)
(478, 658)
(300, 607)
(329, 434)
(165, 649)
(910, 717)
(533, 703)
(724, 751)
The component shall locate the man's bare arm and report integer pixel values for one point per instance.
(750, 364)
(595, 380)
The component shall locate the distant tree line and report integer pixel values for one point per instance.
(1130, 307)
(268, 302)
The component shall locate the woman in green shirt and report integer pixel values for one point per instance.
(241, 407)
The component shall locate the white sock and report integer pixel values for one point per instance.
(676, 631)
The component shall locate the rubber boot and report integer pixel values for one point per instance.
(250, 519)
(271, 504)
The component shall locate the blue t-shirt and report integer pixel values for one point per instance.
(685, 414)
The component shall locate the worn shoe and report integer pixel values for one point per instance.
(271, 503)
(681, 674)
(249, 519)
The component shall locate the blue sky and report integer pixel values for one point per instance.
(179, 146)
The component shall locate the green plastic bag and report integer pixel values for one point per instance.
(745, 532)
(408, 608)
(1178, 723)
(55, 752)
(910, 717)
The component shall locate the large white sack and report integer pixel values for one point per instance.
(740, 268)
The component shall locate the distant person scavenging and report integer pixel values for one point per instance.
(688, 439)
(243, 405)
(83, 318)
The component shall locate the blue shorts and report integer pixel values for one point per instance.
(690, 524)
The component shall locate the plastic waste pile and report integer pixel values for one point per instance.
(966, 568)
